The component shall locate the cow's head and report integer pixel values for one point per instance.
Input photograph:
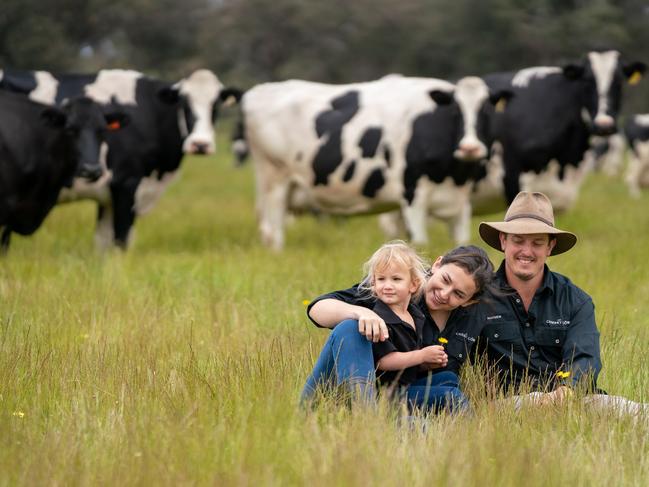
(198, 98)
(602, 76)
(84, 126)
(474, 108)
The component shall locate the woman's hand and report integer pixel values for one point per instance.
(372, 325)
(433, 357)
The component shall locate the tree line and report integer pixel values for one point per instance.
(251, 41)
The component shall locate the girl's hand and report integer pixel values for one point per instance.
(372, 326)
(433, 357)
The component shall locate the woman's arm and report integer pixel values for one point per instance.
(329, 312)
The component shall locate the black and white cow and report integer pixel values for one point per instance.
(546, 128)
(636, 131)
(167, 121)
(398, 142)
(41, 149)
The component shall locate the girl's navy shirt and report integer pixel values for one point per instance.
(403, 338)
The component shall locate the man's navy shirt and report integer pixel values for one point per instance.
(557, 333)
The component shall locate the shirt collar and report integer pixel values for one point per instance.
(547, 284)
(390, 317)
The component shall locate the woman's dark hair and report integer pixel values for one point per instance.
(476, 262)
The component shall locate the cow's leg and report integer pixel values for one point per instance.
(5, 240)
(614, 158)
(459, 226)
(272, 192)
(273, 215)
(391, 223)
(511, 181)
(634, 173)
(123, 198)
(104, 233)
(415, 215)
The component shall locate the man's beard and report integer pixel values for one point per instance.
(524, 276)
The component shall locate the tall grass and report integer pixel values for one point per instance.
(181, 361)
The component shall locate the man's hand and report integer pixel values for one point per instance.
(433, 357)
(555, 397)
(372, 326)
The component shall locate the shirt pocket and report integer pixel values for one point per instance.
(458, 348)
(502, 333)
(550, 337)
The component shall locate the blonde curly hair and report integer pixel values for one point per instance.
(396, 252)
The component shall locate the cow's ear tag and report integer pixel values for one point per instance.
(114, 125)
(500, 105)
(635, 78)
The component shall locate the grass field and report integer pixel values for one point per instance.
(180, 362)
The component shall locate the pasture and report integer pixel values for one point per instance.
(180, 362)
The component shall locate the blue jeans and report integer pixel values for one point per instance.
(346, 359)
(436, 392)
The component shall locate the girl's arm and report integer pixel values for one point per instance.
(403, 360)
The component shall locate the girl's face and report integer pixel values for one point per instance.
(448, 287)
(393, 284)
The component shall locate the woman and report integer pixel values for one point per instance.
(456, 280)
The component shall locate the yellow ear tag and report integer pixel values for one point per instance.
(500, 105)
(635, 78)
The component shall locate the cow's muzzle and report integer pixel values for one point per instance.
(90, 174)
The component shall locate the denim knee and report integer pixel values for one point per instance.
(347, 330)
(446, 378)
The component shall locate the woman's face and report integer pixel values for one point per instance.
(448, 287)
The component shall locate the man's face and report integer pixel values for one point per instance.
(525, 255)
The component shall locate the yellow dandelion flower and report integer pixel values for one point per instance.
(442, 340)
(19, 414)
(306, 302)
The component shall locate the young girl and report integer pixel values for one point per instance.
(395, 276)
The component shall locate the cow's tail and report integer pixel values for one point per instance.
(239, 143)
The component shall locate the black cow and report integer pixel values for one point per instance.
(167, 121)
(546, 128)
(41, 149)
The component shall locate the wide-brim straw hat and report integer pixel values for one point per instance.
(529, 213)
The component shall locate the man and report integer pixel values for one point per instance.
(541, 330)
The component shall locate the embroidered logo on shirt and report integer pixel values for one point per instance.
(559, 322)
(465, 336)
(494, 317)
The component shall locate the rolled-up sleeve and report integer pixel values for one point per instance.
(349, 296)
(381, 349)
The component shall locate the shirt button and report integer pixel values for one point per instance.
(518, 300)
(527, 325)
(532, 348)
(557, 341)
(460, 355)
(496, 335)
